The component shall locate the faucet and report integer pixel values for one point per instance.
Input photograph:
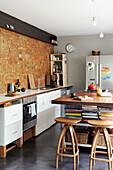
(39, 81)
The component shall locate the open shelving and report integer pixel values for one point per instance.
(58, 69)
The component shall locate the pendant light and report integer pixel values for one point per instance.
(94, 22)
(101, 35)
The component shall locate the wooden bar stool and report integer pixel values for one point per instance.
(61, 148)
(101, 125)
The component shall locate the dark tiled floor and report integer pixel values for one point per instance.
(39, 154)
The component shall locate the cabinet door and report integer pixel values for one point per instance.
(44, 120)
(44, 100)
(40, 123)
(10, 133)
(11, 114)
(57, 107)
(57, 111)
(46, 112)
(41, 102)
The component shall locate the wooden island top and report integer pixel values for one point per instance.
(96, 101)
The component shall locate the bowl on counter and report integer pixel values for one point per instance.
(95, 52)
(23, 89)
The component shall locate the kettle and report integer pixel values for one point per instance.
(92, 87)
(10, 87)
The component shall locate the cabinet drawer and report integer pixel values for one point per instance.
(10, 133)
(10, 115)
(13, 132)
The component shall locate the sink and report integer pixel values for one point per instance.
(46, 88)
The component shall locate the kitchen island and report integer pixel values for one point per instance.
(95, 101)
(103, 105)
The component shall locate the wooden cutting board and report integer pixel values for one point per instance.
(12, 94)
(31, 81)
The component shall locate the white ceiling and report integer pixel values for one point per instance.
(63, 17)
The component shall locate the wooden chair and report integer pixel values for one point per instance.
(61, 148)
(101, 125)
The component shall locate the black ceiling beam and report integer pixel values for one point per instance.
(11, 23)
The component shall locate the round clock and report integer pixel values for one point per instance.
(70, 48)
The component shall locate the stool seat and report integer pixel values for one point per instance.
(67, 120)
(100, 123)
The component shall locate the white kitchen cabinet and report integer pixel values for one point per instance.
(46, 112)
(10, 115)
(10, 133)
(10, 126)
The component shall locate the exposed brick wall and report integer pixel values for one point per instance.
(21, 55)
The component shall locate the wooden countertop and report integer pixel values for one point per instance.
(28, 93)
(97, 100)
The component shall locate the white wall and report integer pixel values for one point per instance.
(83, 47)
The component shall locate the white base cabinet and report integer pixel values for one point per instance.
(10, 126)
(46, 112)
(10, 133)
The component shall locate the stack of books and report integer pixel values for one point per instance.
(106, 114)
(73, 111)
(89, 112)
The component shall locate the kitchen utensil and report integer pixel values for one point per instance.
(92, 87)
(12, 94)
(11, 87)
(31, 81)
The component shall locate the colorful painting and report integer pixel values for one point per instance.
(106, 73)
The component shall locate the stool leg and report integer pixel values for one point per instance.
(110, 149)
(62, 144)
(59, 143)
(93, 147)
(95, 150)
(73, 146)
(76, 142)
(106, 136)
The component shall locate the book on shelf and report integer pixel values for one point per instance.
(73, 114)
(92, 114)
(90, 117)
(77, 117)
(73, 111)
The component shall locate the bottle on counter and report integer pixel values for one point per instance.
(17, 85)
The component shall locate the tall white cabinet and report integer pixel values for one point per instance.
(46, 112)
